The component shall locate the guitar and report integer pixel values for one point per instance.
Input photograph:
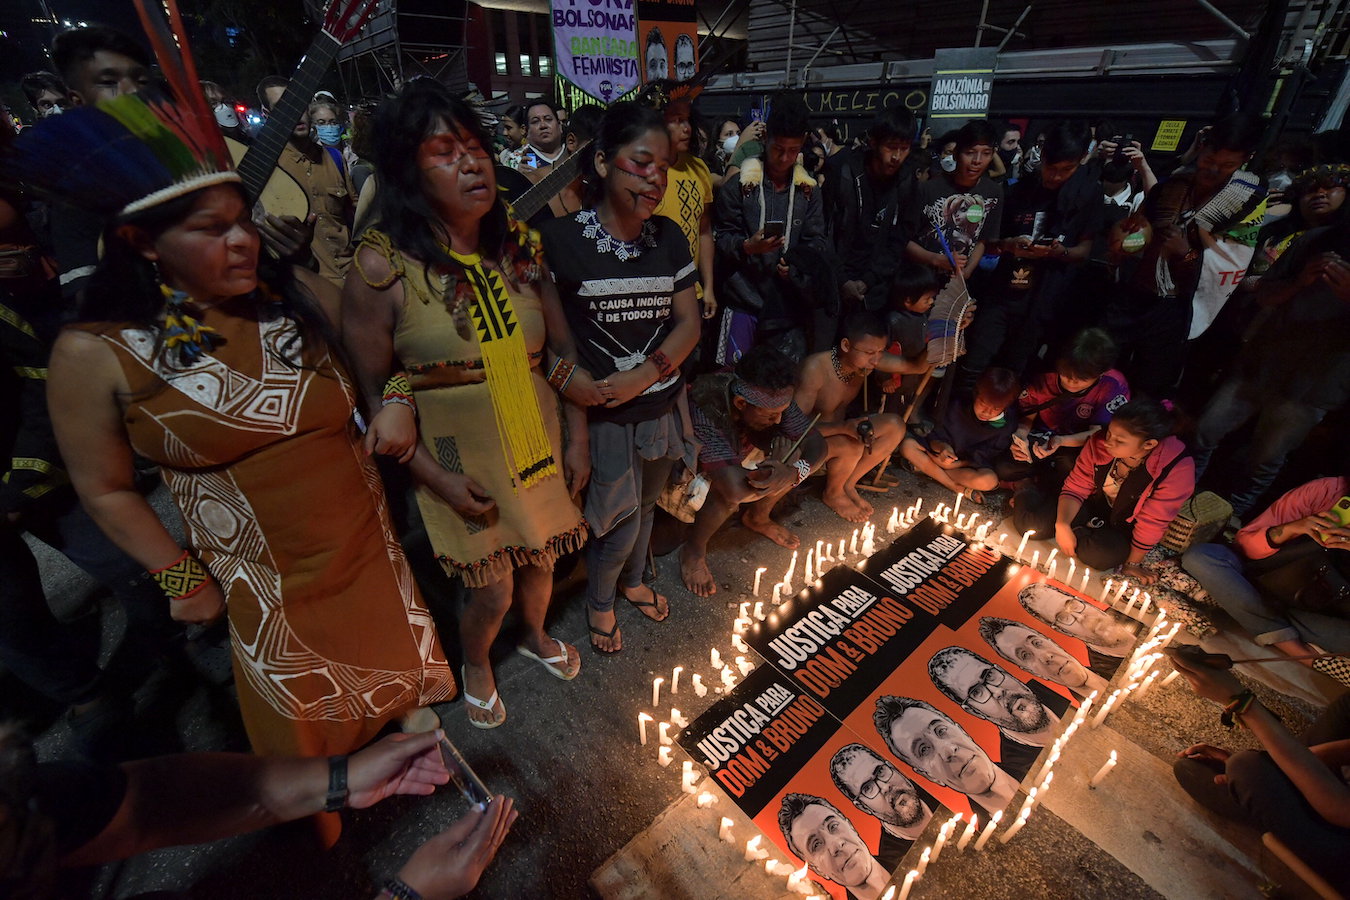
(559, 176)
(279, 193)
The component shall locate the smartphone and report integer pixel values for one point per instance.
(464, 778)
(1341, 511)
(1119, 141)
(1043, 242)
(774, 229)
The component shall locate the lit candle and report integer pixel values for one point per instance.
(739, 643)
(1026, 536)
(656, 690)
(810, 575)
(675, 679)
(924, 860)
(781, 868)
(706, 799)
(1106, 708)
(715, 659)
(1028, 804)
(893, 523)
(1054, 551)
(1050, 569)
(753, 853)
(759, 573)
(1040, 791)
(1016, 827)
(840, 557)
(956, 508)
(759, 611)
(1001, 539)
(777, 594)
(1120, 591)
(911, 877)
(1171, 634)
(943, 833)
(663, 755)
(1068, 578)
(796, 878)
(1148, 683)
(724, 831)
(663, 734)
(745, 610)
(792, 569)
(743, 666)
(728, 677)
(1087, 573)
(820, 556)
(687, 777)
(1171, 678)
(918, 505)
(853, 542)
(1103, 771)
(988, 830)
(678, 720)
(969, 832)
(700, 690)
(1106, 589)
(1035, 559)
(643, 719)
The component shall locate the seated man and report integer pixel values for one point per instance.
(934, 746)
(879, 789)
(1038, 655)
(967, 450)
(833, 380)
(1293, 787)
(823, 838)
(1027, 716)
(745, 424)
(1108, 639)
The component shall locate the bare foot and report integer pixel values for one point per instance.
(651, 604)
(772, 530)
(852, 491)
(696, 574)
(479, 683)
(605, 634)
(844, 506)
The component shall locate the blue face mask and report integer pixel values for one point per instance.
(328, 135)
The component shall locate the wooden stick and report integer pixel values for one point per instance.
(918, 393)
(793, 448)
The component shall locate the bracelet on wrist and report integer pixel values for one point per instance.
(561, 374)
(398, 389)
(181, 578)
(337, 784)
(1238, 705)
(664, 367)
(399, 889)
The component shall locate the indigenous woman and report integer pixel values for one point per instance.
(225, 379)
(449, 287)
(627, 286)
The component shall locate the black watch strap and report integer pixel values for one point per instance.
(337, 784)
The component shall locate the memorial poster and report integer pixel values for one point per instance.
(668, 36)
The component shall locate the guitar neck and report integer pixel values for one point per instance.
(257, 165)
(560, 175)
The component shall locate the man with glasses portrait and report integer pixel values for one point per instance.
(879, 789)
(1108, 639)
(1026, 716)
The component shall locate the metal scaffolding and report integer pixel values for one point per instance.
(405, 40)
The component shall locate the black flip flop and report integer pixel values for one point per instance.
(650, 604)
(608, 634)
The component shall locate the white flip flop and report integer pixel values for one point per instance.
(489, 705)
(552, 663)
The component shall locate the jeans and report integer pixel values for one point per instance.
(1219, 570)
(618, 557)
(1281, 425)
(1261, 795)
(49, 655)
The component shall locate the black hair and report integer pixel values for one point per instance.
(402, 207)
(623, 123)
(894, 123)
(1089, 355)
(793, 806)
(840, 761)
(35, 84)
(1239, 132)
(992, 626)
(789, 117)
(912, 280)
(654, 36)
(270, 81)
(1115, 171)
(363, 131)
(942, 661)
(861, 324)
(1065, 141)
(518, 114)
(538, 101)
(584, 121)
(975, 132)
(1150, 420)
(125, 288)
(888, 710)
(997, 385)
(70, 48)
(766, 367)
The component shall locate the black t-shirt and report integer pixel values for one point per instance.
(965, 216)
(618, 298)
(1071, 212)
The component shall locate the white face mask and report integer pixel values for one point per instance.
(54, 110)
(729, 145)
(948, 163)
(226, 116)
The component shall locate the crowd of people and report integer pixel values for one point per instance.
(695, 319)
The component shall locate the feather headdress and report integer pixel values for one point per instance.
(137, 150)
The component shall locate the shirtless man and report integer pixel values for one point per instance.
(745, 425)
(830, 382)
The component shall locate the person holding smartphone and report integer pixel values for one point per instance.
(1295, 526)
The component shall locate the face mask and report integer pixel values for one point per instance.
(948, 163)
(329, 135)
(729, 145)
(225, 116)
(54, 111)
(1279, 180)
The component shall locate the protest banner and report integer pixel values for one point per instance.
(596, 47)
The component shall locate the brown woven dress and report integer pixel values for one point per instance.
(329, 636)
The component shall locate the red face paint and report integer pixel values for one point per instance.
(646, 170)
(448, 149)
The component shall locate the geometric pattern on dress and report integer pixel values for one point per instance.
(690, 194)
(447, 454)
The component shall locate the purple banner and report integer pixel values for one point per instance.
(595, 46)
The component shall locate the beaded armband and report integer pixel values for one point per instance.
(398, 390)
(803, 470)
(663, 365)
(561, 374)
(182, 578)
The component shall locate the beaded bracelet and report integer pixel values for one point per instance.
(399, 889)
(181, 578)
(1237, 706)
(664, 366)
(561, 374)
(398, 390)
(803, 470)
